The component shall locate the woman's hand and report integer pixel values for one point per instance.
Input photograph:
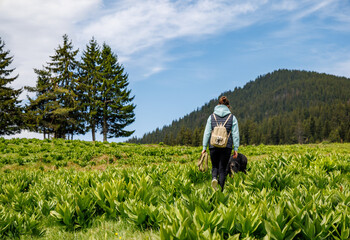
(204, 151)
(235, 154)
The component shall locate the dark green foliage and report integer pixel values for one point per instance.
(90, 81)
(103, 92)
(56, 108)
(37, 114)
(59, 152)
(282, 107)
(10, 111)
(74, 98)
(289, 192)
(116, 108)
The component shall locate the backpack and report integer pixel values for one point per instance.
(219, 136)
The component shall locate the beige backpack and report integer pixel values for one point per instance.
(219, 136)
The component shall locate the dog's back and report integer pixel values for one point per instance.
(238, 164)
(243, 162)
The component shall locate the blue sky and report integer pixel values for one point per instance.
(181, 54)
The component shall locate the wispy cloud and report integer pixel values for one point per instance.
(139, 30)
(307, 21)
(145, 26)
(312, 7)
(341, 68)
(150, 36)
(33, 29)
(154, 70)
(285, 5)
(136, 25)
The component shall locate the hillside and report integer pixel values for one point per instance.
(285, 106)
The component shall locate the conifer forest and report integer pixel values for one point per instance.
(71, 96)
(282, 107)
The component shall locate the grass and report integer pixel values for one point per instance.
(58, 157)
(101, 229)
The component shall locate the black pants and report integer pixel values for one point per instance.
(219, 160)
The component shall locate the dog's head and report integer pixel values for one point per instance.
(234, 166)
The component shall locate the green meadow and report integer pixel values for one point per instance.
(59, 189)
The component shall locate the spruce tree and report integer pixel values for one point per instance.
(90, 80)
(37, 112)
(10, 111)
(57, 104)
(64, 69)
(116, 108)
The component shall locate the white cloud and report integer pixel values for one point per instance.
(33, 29)
(341, 68)
(154, 70)
(138, 25)
(135, 29)
(25, 134)
(44, 12)
(312, 8)
(285, 5)
(141, 31)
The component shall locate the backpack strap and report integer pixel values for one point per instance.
(226, 119)
(225, 123)
(215, 119)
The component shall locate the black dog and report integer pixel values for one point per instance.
(238, 164)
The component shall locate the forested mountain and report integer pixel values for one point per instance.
(285, 106)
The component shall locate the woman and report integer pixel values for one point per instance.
(220, 156)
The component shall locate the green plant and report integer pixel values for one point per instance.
(296, 191)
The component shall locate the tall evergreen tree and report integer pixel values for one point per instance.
(90, 82)
(59, 100)
(37, 112)
(10, 111)
(64, 69)
(116, 108)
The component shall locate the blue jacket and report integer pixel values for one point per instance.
(222, 110)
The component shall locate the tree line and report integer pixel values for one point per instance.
(71, 96)
(282, 107)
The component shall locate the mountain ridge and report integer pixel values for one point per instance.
(316, 105)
